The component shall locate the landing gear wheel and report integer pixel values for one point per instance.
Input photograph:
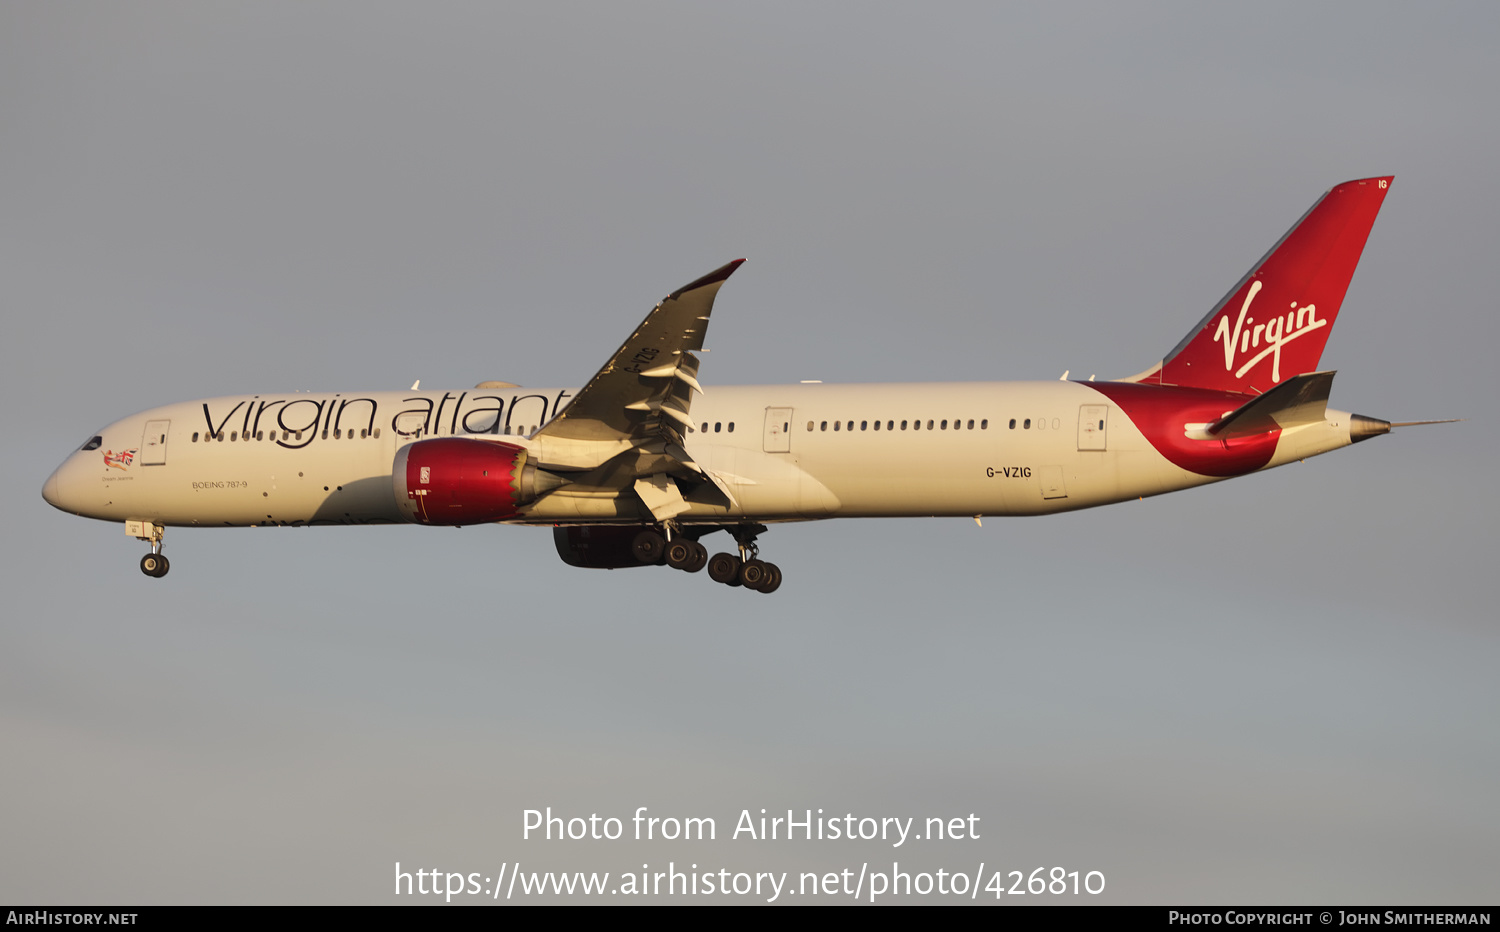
(700, 558)
(687, 555)
(724, 568)
(753, 574)
(680, 554)
(648, 546)
(772, 581)
(154, 564)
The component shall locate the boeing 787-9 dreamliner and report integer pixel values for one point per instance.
(642, 462)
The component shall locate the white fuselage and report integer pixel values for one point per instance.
(783, 452)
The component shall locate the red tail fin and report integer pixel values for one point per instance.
(1274, 323)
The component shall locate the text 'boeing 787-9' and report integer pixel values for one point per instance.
(639, 464)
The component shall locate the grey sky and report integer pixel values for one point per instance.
(1279, 689)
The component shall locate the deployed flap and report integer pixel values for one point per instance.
(661, 496)
(1299, 400)
(644, 392)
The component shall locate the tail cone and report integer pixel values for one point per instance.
(1363, 428)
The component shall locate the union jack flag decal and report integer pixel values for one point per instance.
(118, 460)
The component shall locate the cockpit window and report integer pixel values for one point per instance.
(94, 443)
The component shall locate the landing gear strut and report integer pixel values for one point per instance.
(747, 569)
(679, 552)
(154, 563)
(669, 544)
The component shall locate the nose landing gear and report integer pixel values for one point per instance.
(154, 563)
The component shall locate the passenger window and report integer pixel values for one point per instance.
(863, 425)
(945, 423)
(195, 437)
(705, 427)
(1026, 425)
(809, 425)
(731, 427)
(824, 426)
(877, 425)
(377, 434)
(364, 433)
(837, 424)
(985, 424)
(903, 425)
(233, 436)
(971, 423)
(338, 433)
(929, 425)
(890, 425)
(718, 426)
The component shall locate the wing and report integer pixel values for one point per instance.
(640, 402)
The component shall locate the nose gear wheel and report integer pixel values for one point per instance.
(155, 563)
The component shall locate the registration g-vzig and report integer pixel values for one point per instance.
(640, 464)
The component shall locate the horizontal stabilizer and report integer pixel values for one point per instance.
(1300, 400)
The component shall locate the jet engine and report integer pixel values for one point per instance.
(597, 546)
(452, 481)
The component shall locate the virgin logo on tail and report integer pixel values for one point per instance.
(1278, 332)
(1304, 278)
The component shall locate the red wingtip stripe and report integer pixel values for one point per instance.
(717, 275)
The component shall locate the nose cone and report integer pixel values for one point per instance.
(65, 488)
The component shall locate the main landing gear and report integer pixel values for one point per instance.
(687, 554)
(154, 563)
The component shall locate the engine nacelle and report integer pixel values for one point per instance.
(453, 481)
(597, 546)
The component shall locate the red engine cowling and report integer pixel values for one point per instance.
(454, 481)
(597, 546)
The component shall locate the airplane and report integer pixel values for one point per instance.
(638, 465)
